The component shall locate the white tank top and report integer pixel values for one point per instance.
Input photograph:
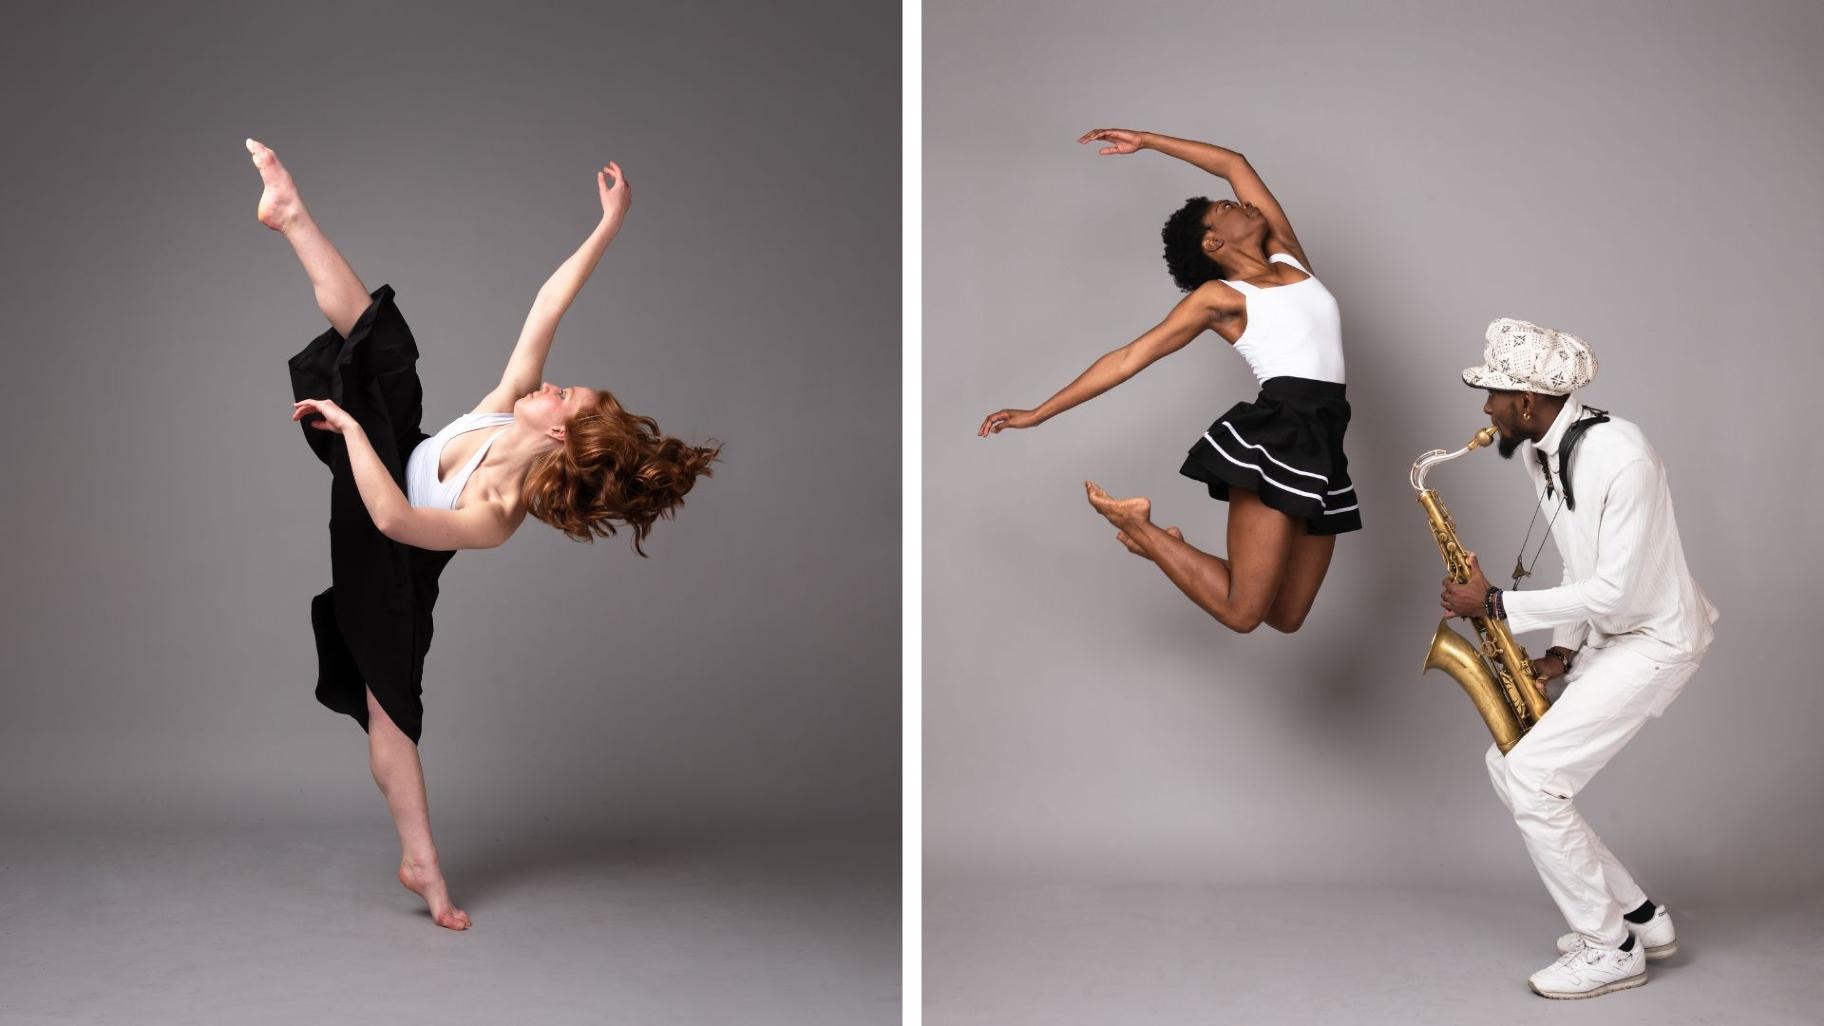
(421, 485)
(1293, 330)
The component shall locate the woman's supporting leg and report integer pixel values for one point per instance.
(394, 759)
(340, 294)
(1238, 591)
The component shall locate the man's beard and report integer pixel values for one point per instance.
(1506, 446)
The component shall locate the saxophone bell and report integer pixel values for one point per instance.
(1462, 660)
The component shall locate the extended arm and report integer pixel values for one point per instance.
(1193, 314)
(1223, 163)
(526, 367)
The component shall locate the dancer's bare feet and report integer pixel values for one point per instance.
(425, 879)
(1122, 537)
(1123, 513)
(280, 207)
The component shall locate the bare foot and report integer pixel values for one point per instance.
(1123, 513)
(280, 207)
(1122, 537)
(425, 879)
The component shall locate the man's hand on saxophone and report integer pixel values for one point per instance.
(1469, 598)
(1553, 664)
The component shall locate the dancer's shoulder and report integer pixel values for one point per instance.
(1219, 296)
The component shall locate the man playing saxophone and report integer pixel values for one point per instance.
(1628, 628)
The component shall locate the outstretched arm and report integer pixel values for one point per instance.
(526, 368)
(1224, 163)
(1193, 314)
(478, 527)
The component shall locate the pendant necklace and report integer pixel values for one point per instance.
(1521, 567)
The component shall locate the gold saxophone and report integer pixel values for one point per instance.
(1498, 677)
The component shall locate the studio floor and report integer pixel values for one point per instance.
(290, 924)
(1008, 953)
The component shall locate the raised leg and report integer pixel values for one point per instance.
(394, 759)
(340, 294)
(1238, 591)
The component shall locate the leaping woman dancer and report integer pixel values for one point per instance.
(401, 503)
(1278, 461)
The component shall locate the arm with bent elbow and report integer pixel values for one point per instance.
(1220, 161)
(479, 527)
(1627, 522)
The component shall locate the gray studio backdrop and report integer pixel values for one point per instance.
(1644, 175)
(167, 523)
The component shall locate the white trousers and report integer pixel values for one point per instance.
(1609, 696)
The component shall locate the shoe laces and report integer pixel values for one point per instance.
(1579, 952)
(1589, 954)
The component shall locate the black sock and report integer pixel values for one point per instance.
(1628, 945)
(1641, 914)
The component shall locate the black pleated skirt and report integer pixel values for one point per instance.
(373, 624)
(1286, 447)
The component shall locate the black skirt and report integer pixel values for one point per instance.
(1286, 447)
(373, 625)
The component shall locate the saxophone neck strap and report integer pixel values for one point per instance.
(1571, 436)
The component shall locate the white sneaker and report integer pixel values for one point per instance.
(1655, 935)
(1590, 971)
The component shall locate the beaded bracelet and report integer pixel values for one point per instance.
(1492, 605)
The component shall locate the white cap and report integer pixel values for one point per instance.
(1523, 357)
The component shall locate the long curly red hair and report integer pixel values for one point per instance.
(613, 466)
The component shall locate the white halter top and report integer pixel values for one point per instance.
(421, 485)
(1293, 330)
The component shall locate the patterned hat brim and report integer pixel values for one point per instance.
(1489, 377)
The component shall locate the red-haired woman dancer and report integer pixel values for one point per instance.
(401, 503)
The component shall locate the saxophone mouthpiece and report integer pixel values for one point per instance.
(1483, 437)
